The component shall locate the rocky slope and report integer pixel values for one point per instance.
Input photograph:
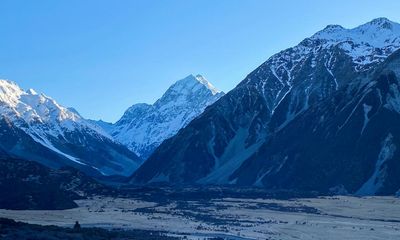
(217, 146)
(346, 144)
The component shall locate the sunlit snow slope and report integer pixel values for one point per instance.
(33, 126)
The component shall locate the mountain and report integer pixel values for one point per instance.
(348, 143)
(216, 147)
(143, 127)
(33, 126)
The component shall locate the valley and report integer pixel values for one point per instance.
(306, 146)
(184, 215)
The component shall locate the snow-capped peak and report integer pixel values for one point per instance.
(190, 89)
(332, 28)
(330, 50)
(9, 92)
(378, 33)
(56, 136)
(31, 106)
(190, 84)
(40, 112)
(382, 22)
(144, 126)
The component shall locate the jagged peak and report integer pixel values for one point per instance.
(382, 21)
(7, 85)
(143, 127)
(379, 24)
(5, 82)
(10, 92)
(378, 33)
(333, 27)
(30, 105)
(185, 88)
(191, 82)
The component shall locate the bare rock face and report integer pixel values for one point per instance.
(284, 121)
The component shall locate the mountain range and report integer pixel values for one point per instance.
(35, 127)
(318, 116)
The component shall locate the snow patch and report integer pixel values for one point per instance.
(327, 66)
(393, 99)
(234, 155)
(367, 109)
(375, 182)
(46, 143)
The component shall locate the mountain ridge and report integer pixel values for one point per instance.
(266, 101)
(34, 126)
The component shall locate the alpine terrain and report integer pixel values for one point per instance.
(318, 116)
(35, 127)
(143, 127)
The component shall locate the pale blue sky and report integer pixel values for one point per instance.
(103, 56)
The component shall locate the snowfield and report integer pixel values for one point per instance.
(325, 218)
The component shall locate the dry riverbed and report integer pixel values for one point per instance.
(325, 218)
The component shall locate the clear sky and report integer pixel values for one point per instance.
(103, 56)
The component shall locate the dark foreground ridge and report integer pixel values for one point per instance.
(31, 186)
(11, 230)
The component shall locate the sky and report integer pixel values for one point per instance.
(101, 57)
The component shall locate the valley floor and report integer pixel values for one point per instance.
(325, 218)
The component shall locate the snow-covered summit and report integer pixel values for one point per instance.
(39, 114)
(334, 50)
(377, 33)
(9, 92)
(35, 127)
(144, 126)
(190, 85)
(315, 131)
(31, 106)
